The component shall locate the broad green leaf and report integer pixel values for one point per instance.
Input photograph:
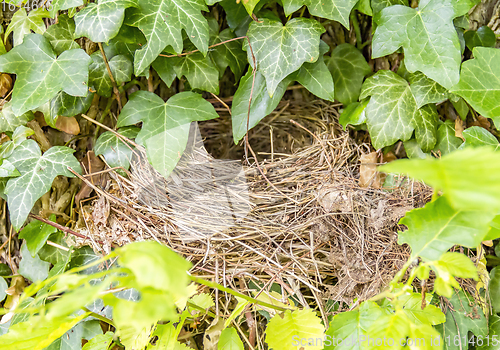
(40, 75)
(199, 70)
(250, 5)
(281, 50)
(484, 36)
(427, 35)
(426, 90)
(299, 324)
(72, 339)
(449, 266)
(126, 42)
(461, 107)
(162, 22)
(494, 288)
(37, 173)
(102, 21)
(494, 332)
(494, 233)
(426, 131)
(379, 5)
(36, 234)
(3, 288)
(480, 82)
(348, 68)
(353, 114)
(202, 300)
(32, 268)
(22, 24)
(62, 35)
(429, 239)
(316, 77)
(337, 10)
(114, 150)
(9, 121)
(393, 326)
(262, 104)
(166, 125)
(365, 7)
(390, 114)
(84, 256)
(229, 54)
(52, 254)
(36, 333)
(67, 106)
(411, 304)
(353, 324)
(237, 16)
(165, 69)
(120, 67)
(230, 340)
(8, 170)
(18, 136)
(462, 318)
(100, 342)
(156, 266)
(167, 338)
(423, 337)
(476, 136)
(447, 142)
(59, 5)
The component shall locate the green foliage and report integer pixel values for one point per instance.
(166, 124)
(22, 24)
(36, 234)
(427, 35)
(116, 152)
(41, 75)
(484, 36)
(229, 340)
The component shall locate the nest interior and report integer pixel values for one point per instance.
(298, 220)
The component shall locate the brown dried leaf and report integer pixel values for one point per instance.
(212, 334)
(368, 174)
(459, 128)
(5, 84)
(101, 211)
(482, 122)
(91, 164)
(68, 124)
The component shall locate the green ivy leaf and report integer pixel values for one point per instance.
(100, 342)
(337, 10)
(126, 42)
(52, 254)
(447, 142)
(120, 66)
(426, 90)
(19, 135)
(36, 333)
(166, 125)
(426, 131)
(8, 170)
(40, 75)
(31, 267)
(198, 69)
(393, 326)
(230, 340)
(494, 288)
(102, 21)
(379, 5)
(62, 35)
(427, 35)
(484, 36)
(462, 318)
(476, 136)
(229, 54)
(354, 324)
(60, 5)
(392, 112)
(162, 21)
(411, 304)
(22, 24)
(365, 7)
(316, 77)
(301, 324)
(262, 105)
(348, 68)
(413, 150)
(480, 82)
(494, 332)
(3, 288)
(114, 150)
(281, 50)
(449, 266)
(353, 114)
(36, 234)
(72, 339)
(68, 106)
(429, 239)
(456, 175)
(37, 174)
(9, 121)
(461, 107)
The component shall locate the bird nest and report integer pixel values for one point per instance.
(300, 221)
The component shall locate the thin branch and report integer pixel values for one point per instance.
(61, 227)
(210, 47)
(113, 81)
